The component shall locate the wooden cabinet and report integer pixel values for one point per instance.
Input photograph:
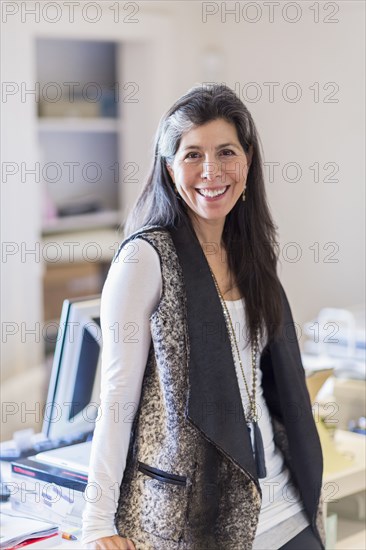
(69, 281)
(79, 126)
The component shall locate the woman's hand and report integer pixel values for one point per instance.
(111, 543)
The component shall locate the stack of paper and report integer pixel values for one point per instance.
(16, 529)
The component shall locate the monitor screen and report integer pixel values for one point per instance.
(74, 390)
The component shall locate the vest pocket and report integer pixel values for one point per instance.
(164, 502)
(161, 475)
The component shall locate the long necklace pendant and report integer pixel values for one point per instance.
(259, 451)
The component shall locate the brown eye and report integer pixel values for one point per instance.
(189, 156)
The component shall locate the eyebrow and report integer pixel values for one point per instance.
(218, 147)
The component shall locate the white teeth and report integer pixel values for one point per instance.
(207, 193)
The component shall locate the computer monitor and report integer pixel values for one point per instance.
(74, 389)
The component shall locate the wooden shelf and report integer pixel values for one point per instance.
(105, 240)
(94, 220)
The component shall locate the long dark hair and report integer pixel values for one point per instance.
(249, 234)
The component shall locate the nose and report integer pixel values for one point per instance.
(210, 170)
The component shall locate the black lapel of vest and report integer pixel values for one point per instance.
(214, 401)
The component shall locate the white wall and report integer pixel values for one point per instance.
(305, 132)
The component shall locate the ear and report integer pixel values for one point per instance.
(170, 170)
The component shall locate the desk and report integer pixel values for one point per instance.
(344, 483)
(353, 479)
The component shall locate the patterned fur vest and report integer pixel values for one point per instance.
(190, 479)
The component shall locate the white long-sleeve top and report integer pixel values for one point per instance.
(130, 294)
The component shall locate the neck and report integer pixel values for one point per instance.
(209, 233)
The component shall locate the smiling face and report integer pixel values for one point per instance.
(210, 169)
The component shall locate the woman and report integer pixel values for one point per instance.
(206, 438)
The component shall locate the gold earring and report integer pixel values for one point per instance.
(243, 195)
